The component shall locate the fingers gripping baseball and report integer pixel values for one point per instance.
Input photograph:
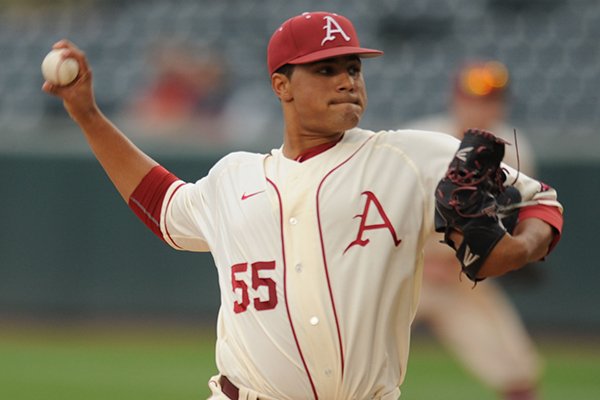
(69, 51)
(77, 96)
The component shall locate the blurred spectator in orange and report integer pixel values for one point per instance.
(479, 99)
(479, 324)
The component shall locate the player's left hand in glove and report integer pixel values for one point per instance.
(472, 200)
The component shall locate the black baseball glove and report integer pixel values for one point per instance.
(472, 199)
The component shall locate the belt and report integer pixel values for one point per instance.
(228, 388)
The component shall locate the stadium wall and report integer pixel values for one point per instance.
(71, 248)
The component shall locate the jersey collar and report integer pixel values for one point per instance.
(316, 150)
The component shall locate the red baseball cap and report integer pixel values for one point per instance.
(314, 36)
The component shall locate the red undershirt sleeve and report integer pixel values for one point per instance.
(549, 214)
(147, 199)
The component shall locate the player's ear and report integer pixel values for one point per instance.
(280, 84)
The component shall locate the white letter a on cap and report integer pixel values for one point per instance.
(331, 28)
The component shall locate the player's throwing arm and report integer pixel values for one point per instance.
(124, 163)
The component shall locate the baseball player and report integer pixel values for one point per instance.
(318, 244)
(499, 351)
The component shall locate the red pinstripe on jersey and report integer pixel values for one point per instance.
(166, 227)
(287, 307)
(337, 324)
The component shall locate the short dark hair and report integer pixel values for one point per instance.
(286, 69)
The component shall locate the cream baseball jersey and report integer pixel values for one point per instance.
(319, 262)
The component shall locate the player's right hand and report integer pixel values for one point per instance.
(78, 97)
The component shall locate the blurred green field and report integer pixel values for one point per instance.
(96, 363)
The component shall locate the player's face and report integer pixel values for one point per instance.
(328, 96)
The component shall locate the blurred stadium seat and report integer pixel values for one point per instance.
(550, 47)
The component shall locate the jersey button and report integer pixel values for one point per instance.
(314, 321)
(293, 221)
(298, 267)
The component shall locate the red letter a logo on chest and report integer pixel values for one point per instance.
(372, 201)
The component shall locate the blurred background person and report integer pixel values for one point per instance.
(185, 93)
(479, 98)
(189, 94)
(479, 324)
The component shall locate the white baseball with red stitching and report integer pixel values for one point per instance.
(58, 70)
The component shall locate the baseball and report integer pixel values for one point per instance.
(57, 70)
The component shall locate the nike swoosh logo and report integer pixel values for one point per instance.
(247, 196)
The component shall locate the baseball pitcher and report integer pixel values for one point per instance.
(319, 244)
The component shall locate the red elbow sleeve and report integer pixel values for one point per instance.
(147, 199)
(550, 214)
